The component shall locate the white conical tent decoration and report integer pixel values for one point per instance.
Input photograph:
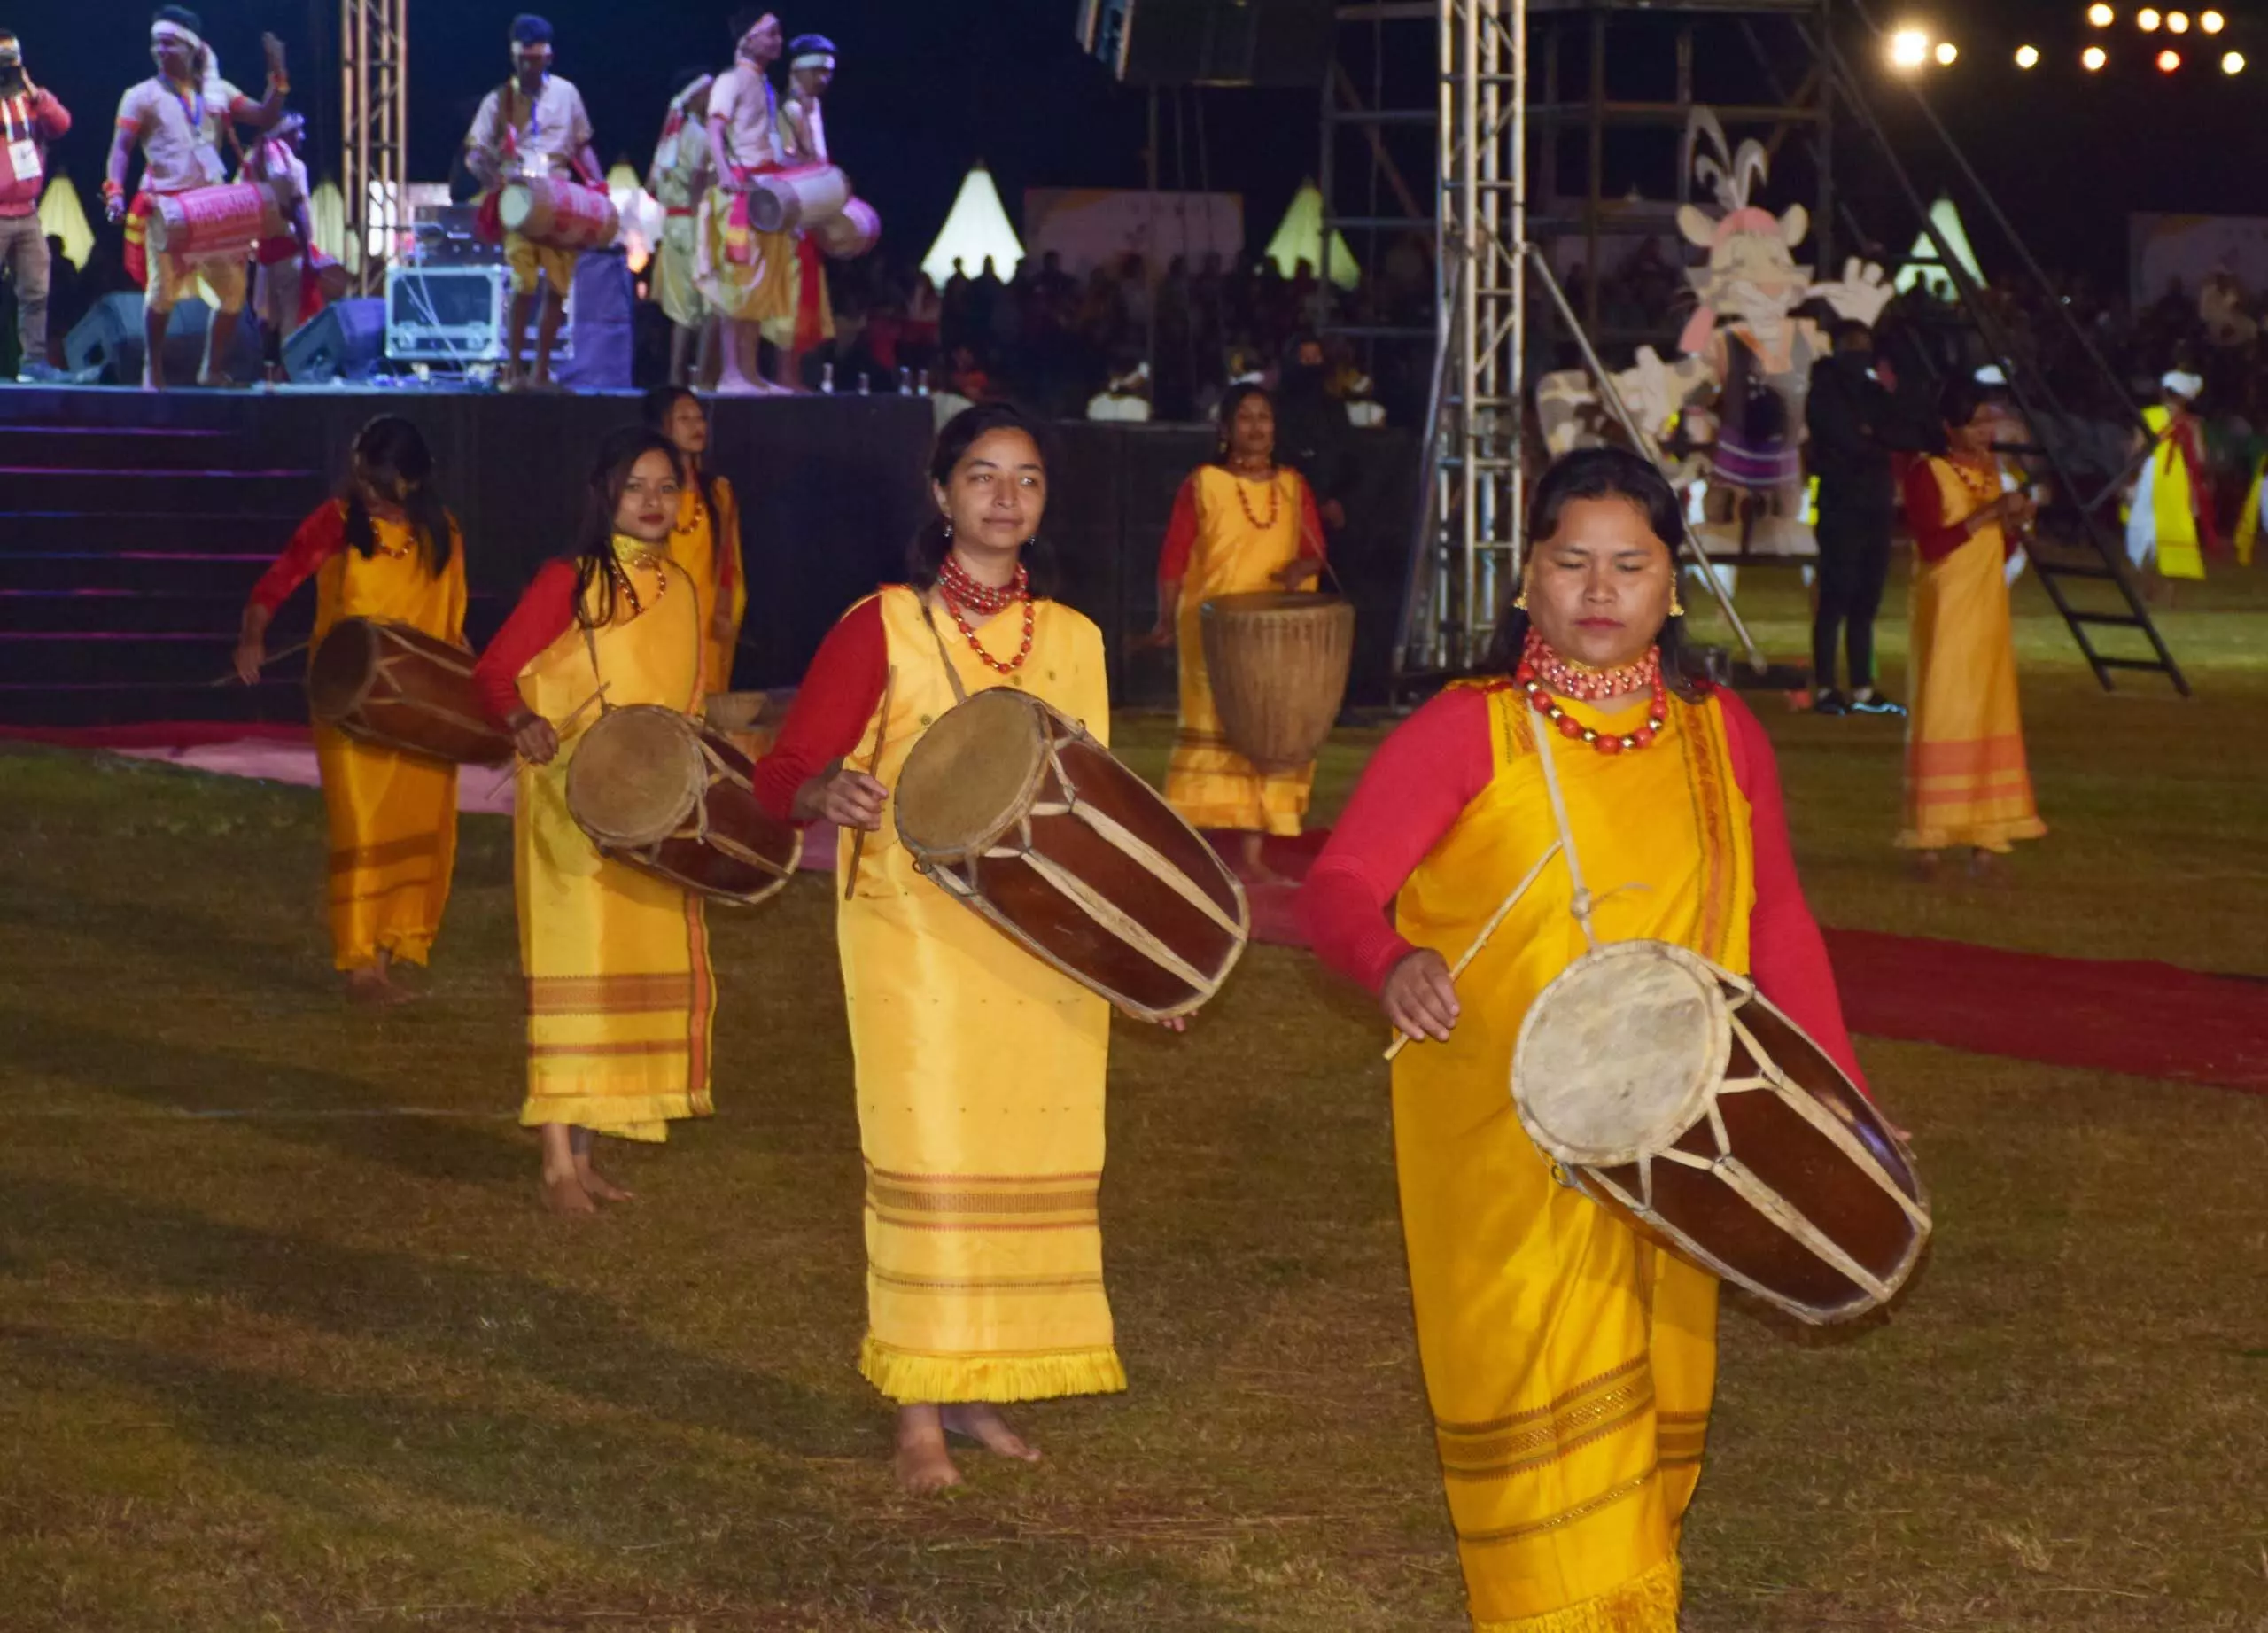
(327, 219)
(62, 217)
(1933, 277)
(1299, 237)
(977, 227)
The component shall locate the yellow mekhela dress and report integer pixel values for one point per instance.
(1967, 781)
(392, 818)
(1247, 532)
(693, 546)
(620, 991)
(2163, 492)
(1568, 1361)
(980, 1076)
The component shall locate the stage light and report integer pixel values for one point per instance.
(2146, 20)
(2176, 22)
(2093, 58)
(2211, 22)
(2102, 15)
(1909, 48)
(2027, 56)
(2169, 62)
(2234, 63)
(1948, 53)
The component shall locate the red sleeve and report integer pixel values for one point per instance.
(321, 536)
(546, 610)
(728, 534)
(52, 118)
(1925, 514)
(1181, 535)
(1787, 955)
(832, 707)
(1412, 792)
(1310, 522)
(2201, 494)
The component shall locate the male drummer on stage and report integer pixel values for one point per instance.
(744, 273)
(178, 117)
(810, 319)
(533, 125)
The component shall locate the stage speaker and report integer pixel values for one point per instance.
(347, 340)
(1211, 42)
(109, 338)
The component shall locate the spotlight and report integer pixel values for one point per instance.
(2169, 62)
(2232, 64)
(1947, 53)
(2146, 20)
(2027, 56)
(1909, 48)
(2093, 58)
(2102, 15)
(2176, 22)
(2211, 22)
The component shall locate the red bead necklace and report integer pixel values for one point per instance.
(958, 590)
(1582, 681)
(1275, 498)
(1530, 679)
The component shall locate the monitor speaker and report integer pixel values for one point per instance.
(109, 338)
(347, 340)
(1211, 42)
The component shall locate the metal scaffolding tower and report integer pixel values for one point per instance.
(373, 148)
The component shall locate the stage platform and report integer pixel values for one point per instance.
(133, 525)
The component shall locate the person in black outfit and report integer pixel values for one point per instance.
(1855, 425)
(1312, 430)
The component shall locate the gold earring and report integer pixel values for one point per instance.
(1519, 601)
(1676, 607)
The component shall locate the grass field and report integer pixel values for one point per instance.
(271, 1356)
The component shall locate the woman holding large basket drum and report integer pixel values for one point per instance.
(1240, 524)
(980, 1068)
(706, 541)
(386, 550)
(1569, 1360)
(620, 991)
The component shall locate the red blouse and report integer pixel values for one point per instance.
(321, 536)
(832, 707)
(1934, 536)
(545, 612)
(1424, 775)
(1181, 530)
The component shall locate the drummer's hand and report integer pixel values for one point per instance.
(1420, 998)
(851, 798)
(1299, 573)
(274, 47)
(534, 737)
(114, 208)
(1333, 514)
(1158, 639)
(1171, 1022)
(251, 646)
(720, 627)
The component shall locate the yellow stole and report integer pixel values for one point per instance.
(392, 818)
(694, 547)
(2173, 516)
(1569, 1362)
(1247, 532)
(980, 1075)
(620, 988)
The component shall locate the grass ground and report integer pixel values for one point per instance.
(272, 1356)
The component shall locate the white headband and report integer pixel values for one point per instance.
(2180, 385)
(165, 31)
(812, 59)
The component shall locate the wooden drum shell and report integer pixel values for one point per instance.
(395, 686)
(209, 223)
(1278, 663)
(558, 212)
(779, 200)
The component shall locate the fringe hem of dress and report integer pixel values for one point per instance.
(642, 1116)
(1993, 836)
(908, 1376)
(1645, 1604)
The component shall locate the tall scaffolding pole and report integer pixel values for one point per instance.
(374, 148)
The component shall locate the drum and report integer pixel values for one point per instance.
(402, 688)
(1022, 816)
(750, 721)
(1278, 663)
(667, 794)
(208, 223)
(802, 197)
(1672, 1091)
(850, 235)
(558, 212)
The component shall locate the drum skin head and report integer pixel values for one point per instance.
(1618, 1055)
(971, 775)
(635, 775)
(515, 206)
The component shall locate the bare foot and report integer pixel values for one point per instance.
(597, 1185)
(1924, 866)
(563, 1194)
(370, 986)
(975, 1420)
(1252, 864)
(922, 1465)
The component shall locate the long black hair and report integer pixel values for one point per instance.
(1604, 473)
(595, 565)
(654, 408)
(391, 456)
(1231, 400)
(934, 543)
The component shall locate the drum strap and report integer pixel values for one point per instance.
(952, 675)
(1583, 903)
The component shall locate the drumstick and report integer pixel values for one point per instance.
(1401, 1039)
(873, 768)
(565, 721)
(272, 657)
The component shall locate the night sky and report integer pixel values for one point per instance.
(924, 90)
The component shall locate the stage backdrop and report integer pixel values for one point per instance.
(1089, 226)
(2188, 249)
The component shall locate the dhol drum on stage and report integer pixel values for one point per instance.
(558, 212)
(1278, 661)
(666, 794)
(850, 235)
(1016, 812)
(1671, 1090)
(401, 689)
(208, 223)
(802, 197)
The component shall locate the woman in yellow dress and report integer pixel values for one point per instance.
(706, 541)
(1239, 525)
(1967, 780)
(1569, 1360)
(620, 992)
(388, 550)
(2170, 513)
(979, 1068)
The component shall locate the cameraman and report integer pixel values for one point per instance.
(30, 119)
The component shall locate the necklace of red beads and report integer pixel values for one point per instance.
(964, 594)
(1543, 671)
(1275, 496)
